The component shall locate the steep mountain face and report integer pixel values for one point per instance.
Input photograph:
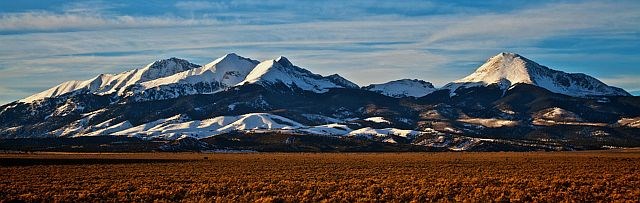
(339, 80)
(275, 103)
(282, 71)
(508, 69)
(105, 84)
(403, 88)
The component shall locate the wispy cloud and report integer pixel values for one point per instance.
(629, 82)
(92, 6)
(48, 21)
(200, 5)
(591, 31)
(541, 22)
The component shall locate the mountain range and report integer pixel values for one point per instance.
(510, 103)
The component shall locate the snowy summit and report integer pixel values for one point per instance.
(508, 69)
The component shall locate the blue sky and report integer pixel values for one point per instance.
(43, 43)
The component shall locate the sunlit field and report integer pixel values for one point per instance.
(334, 177)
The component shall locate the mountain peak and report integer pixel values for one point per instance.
(507, 54)
(335, 78)
(164, 63)
(231, 56)
(510, 60)
(283, 61)
(281, 70)
(507, 69)
(229, 59)
(507, 57)
(403, 88)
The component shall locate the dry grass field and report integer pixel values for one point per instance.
(610, 176)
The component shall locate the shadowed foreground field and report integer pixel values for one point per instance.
(276, 177)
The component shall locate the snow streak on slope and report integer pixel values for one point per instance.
(507, 69)
(384, 132)
(281, 70)
(328, 129)
(108, 83)
(490, 122)
(403, 88)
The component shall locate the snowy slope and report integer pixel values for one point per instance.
(108, 83)
(222, 73)
(507, 69)
(170, 129)
(281, 70)
(402, 88)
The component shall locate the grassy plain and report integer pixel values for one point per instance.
(611, 176)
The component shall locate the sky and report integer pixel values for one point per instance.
(46, 42)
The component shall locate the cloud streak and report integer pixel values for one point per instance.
(537, 23)
(48, 21)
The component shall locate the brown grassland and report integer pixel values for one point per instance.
(610, 176)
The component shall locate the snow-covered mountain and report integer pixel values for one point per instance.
(508, 69)
(172, 78)
(227, 71)
(239, 100)
(108, 83)
(282, 71)
(215, 76)
(403, 88)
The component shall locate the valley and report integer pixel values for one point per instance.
(609, 176)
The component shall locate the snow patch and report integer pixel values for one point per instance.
(377, 120)
(333, 129)
(630, 122)
(371, 132)
(490, 122)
